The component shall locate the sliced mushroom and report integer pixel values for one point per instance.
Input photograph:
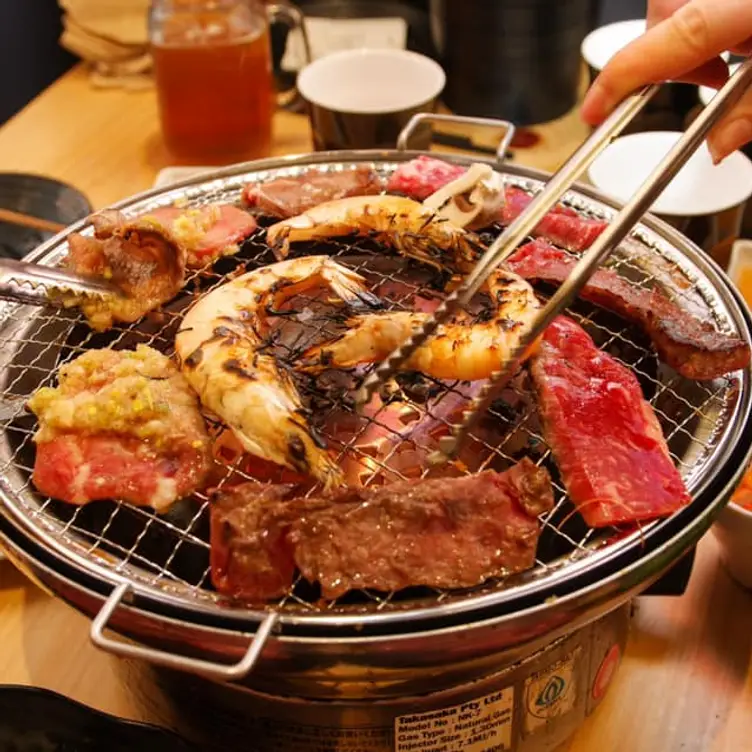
(472, 200)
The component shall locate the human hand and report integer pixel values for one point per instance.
(683, 42)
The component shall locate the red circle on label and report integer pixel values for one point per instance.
(606, 672)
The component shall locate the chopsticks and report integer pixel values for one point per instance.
(26, 220)
(508, 241)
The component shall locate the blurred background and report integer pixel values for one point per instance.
(30, 32)
(29, 48)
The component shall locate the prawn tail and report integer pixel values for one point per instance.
(411, 245)
(331, 477)
(344, 350)
(457, 253)
(280, 244)
(350, 287)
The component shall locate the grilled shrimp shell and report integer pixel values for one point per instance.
(401, 223)
(465, 351)
(220, 348)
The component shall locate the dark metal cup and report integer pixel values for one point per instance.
(513, 59)
(363, 99)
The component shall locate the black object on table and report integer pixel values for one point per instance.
(40, 197)
(38, 720)
(30, 53)
(612, 11)
(518, 60)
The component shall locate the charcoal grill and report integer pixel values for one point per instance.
(146, 577)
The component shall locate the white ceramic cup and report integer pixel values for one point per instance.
(705, 201)
(362, 99)
(601, 44)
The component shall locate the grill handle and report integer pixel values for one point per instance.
(208, 669)
(428, 117)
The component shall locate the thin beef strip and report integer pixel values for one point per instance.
(692, 347)
(448, 533)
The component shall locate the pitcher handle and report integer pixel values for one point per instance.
(291, 16)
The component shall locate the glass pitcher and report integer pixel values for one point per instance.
(213, 72)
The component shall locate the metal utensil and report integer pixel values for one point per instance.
(507, 242)
(622, 225)
(11, 407)
(26, 220)
(22, 282)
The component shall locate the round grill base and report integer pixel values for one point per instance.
(532, 705)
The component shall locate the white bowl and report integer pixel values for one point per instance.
(733, 530)
(371, 81)
(600, 45)
(700, 188)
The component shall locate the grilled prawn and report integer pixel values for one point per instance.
(220, 348)
(465, 351)
(407, 226)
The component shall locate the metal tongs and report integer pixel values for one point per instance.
(35, 284)
(523, 226)
(23, 282)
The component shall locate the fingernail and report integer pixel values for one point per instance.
(729, 138)
(596, 105)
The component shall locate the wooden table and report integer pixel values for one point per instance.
(686, 679)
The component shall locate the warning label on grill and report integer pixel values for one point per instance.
(482, 725)
(552, 692)
(284, 735)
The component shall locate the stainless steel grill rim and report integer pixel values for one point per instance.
(723, 411)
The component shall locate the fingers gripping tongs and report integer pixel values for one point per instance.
(523, 226)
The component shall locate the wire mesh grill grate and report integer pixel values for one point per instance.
(170, 553)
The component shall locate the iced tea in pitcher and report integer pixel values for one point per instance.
(212, 66)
